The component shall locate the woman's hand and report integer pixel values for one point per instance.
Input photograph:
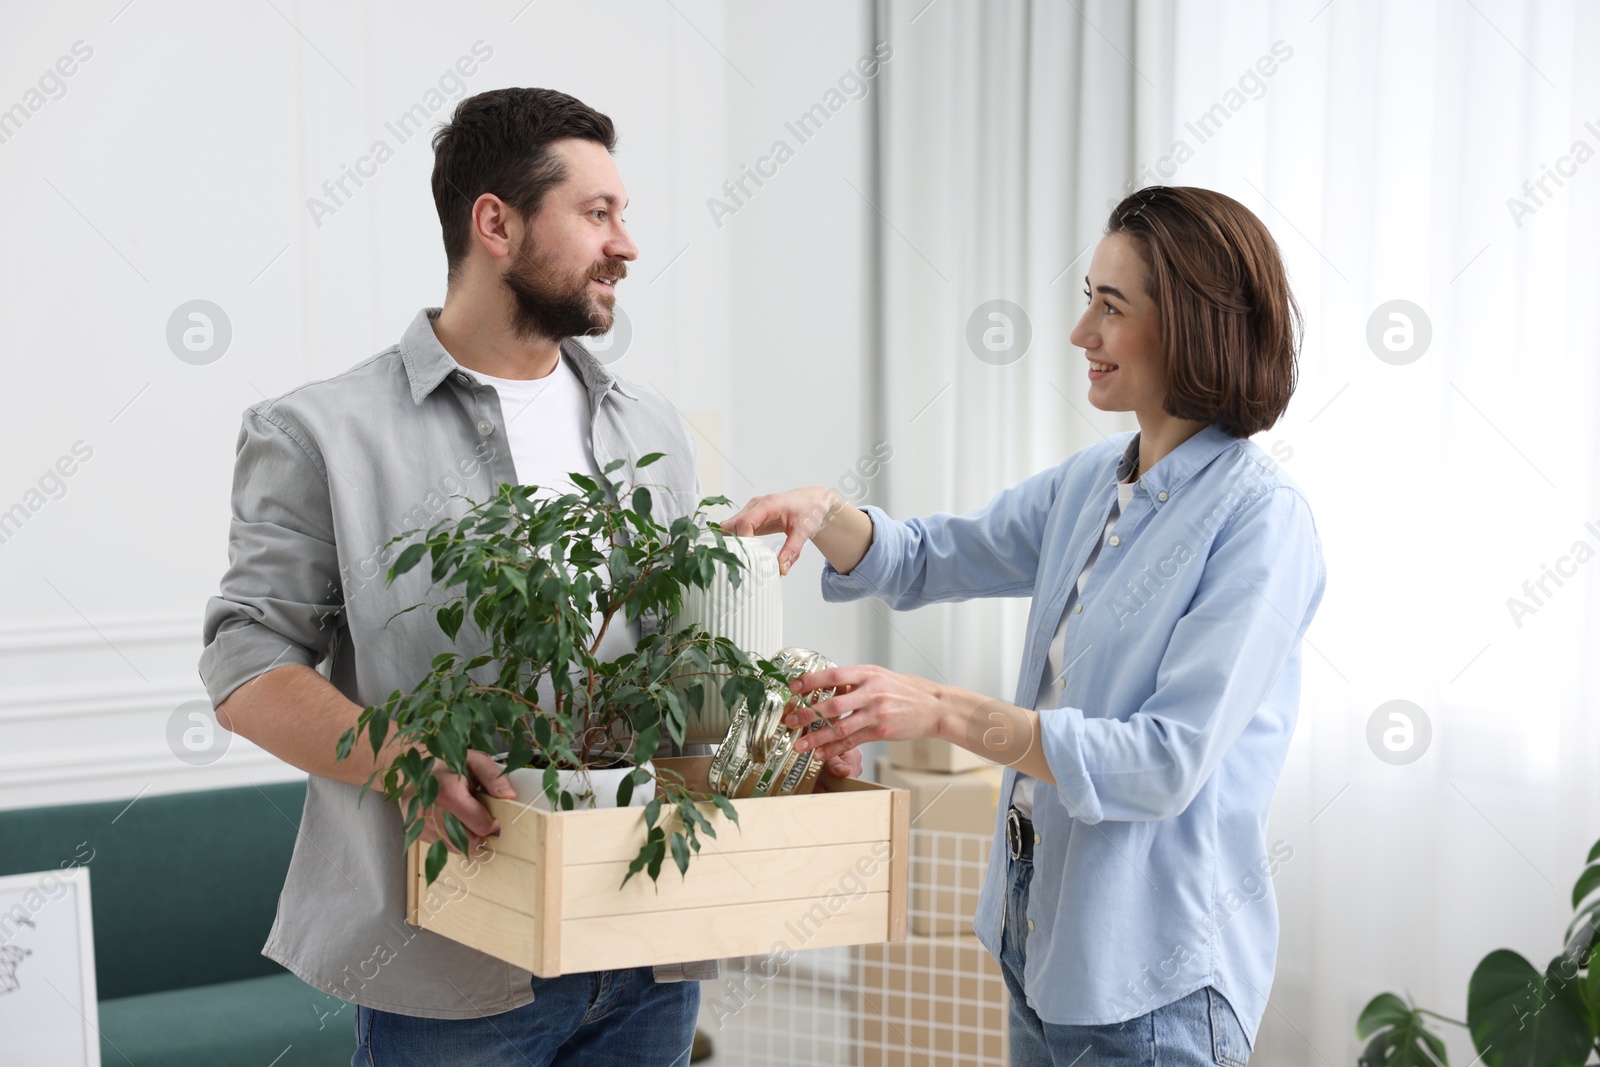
(842, 533)
(871, 704)
(874, 704)
(847, 765)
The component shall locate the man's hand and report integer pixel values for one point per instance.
(457, 795)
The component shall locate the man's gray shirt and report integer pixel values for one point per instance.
(325, 476)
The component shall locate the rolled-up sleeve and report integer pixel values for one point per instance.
(1261, 585)
(281, 599)
(991, 551)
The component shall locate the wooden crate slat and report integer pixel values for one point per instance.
(413, 874)
(715, 879)
(612, 834)
(492, 929)
(899, 863)
(737, 930)
(553, 834)
(507, 880)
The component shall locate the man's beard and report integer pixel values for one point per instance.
(551, 306)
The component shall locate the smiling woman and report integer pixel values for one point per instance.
(1164, 728)
(1187, 288)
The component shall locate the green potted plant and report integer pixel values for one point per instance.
(542, 579)
(1518, 1016)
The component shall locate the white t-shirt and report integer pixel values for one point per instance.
(548, 427)
(1053, 681)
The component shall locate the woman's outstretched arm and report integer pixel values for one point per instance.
(841, 532)
(990, 551)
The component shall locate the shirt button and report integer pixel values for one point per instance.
(1030, 924)
(1037, 839)
(485, 427)
(1077, 609)
(463, 379)
(1115, 541)
(1161, 496)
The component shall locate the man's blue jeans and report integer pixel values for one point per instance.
(1199, 1030)
(620, 1018)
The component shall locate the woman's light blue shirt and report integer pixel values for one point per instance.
(1152, 872)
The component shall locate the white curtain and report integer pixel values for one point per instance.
(1387, 146)
(1003, 127)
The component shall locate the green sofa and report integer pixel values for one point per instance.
(184, 889)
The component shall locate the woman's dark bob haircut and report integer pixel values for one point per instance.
(1230, 327)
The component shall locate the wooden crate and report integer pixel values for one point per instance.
(798, 872)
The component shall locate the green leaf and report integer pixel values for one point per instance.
(649, 458)
(649, 855)
(437, 854)
(641, 501)
(658, 853)
(378, 728)
(616, 464)
(1521, 1018)
(648, 741)
(680, 853)
(1583, 926)
(1382, 1011)
(1591, 982)
(725, 806)
(1399, 1038)
(450, 618)
(456, 832)
(1587, 882)
(407, 560)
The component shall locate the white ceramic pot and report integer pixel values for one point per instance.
(751, 616)
(589, 788)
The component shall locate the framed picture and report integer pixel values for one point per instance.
(48, 1009)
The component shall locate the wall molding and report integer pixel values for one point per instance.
(47, 778)
(51, 703)
(62, 636)
(98, 701)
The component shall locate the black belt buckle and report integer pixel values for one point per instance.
(1019, 835)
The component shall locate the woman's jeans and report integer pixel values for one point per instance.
(1198, 1030)
(620, 1018)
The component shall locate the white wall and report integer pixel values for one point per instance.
(177, 165)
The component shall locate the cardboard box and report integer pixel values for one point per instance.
(828, 868)
(962, 803)
(935, 754)
(930, 1002)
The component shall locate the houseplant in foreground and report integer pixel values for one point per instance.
(542, 579)
(1518, 1015)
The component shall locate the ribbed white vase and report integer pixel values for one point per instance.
(751, 616)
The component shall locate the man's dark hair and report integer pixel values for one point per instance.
(499, 142)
